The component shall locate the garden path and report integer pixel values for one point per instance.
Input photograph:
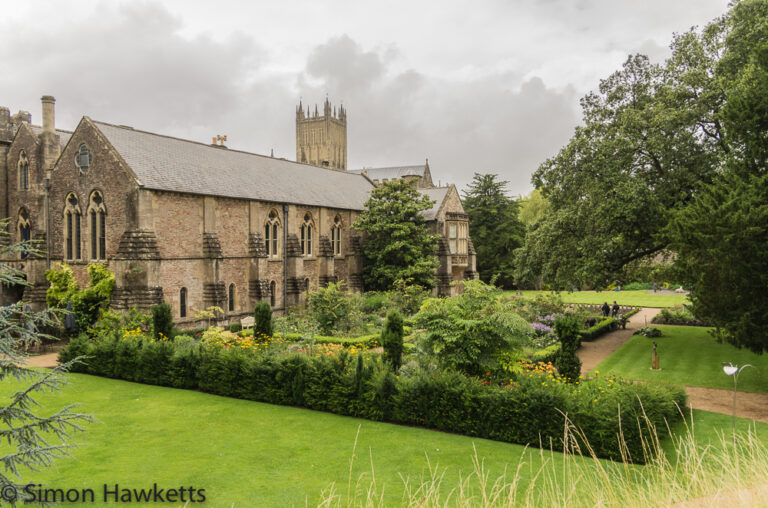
(48, 361)
(748, 405)
(592, 353)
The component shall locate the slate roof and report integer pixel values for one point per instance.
(392, 172)
(436, 194)
(63, 135)
(178, 165)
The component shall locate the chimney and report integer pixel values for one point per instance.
(49, 146)
(48, 113)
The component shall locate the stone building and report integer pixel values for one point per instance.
(196, 224)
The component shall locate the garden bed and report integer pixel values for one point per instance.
(531, 411)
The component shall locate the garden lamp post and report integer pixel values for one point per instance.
(734, 370)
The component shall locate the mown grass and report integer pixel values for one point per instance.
(251, 454)
(689, 356)
(628, 298)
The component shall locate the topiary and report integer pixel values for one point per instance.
(262, 319)
(162, 320)
(392, 340)
(567, 329)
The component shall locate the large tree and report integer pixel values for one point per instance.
(398, 245)
(494, 227)
(651, 137)
(721, 240)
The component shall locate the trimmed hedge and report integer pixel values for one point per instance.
(355, 386)
(367, 341)
(602, 327)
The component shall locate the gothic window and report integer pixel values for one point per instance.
(271, 234)
(183, 302)
(97, 215)
(83, 158)
(25, 229)
(336, 236)
(72, 217)
(306, 235)
(231, 297)
(23, 171)
(457, 237)
(272, 288)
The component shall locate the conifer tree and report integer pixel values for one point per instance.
(33, 437)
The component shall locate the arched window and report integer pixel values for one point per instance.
(183, 302)
(231, 298)
(25, 230)
(97, 215)
(23, 171)
(336, 236)
(271, 234)
(272, 291)
(83, 158)
(306, 235)
(72, 216)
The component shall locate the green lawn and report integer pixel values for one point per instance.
(244, 452)
(688, 356)
(254, 454)
(630, 298)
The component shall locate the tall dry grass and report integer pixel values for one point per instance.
(726, 472)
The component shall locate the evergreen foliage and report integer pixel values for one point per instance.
(32, 440)
(262, 319)
(162, 320)
(567, 328)
(398, 245)
(392, 340)
(494, 227)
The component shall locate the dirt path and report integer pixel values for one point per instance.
(48, 360)
(748, 405)
(592, 353)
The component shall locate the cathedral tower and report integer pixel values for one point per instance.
(321, 140)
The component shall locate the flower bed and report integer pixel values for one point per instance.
(530, 410)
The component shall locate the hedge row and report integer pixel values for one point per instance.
(602, 327)
(356, 386)
(367, 341)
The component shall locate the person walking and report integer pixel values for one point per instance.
(606, 309)
(615, 309)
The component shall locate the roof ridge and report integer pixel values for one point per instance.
(206, 145)
(57, 130)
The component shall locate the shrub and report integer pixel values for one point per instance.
(637, 286)
(235, 327)
(530, 413)
(373, 302)
(468, 331)
(262, 319)
(676, 316)
(649, 331)
(604, 326)
(567, 363)
(392, 340)
(329, 306)
(407, 296)
(88, 303)
(162, 320)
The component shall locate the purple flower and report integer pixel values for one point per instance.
(541, 328)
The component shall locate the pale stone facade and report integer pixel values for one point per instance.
(191, 224)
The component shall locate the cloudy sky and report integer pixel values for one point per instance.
(484, 86)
